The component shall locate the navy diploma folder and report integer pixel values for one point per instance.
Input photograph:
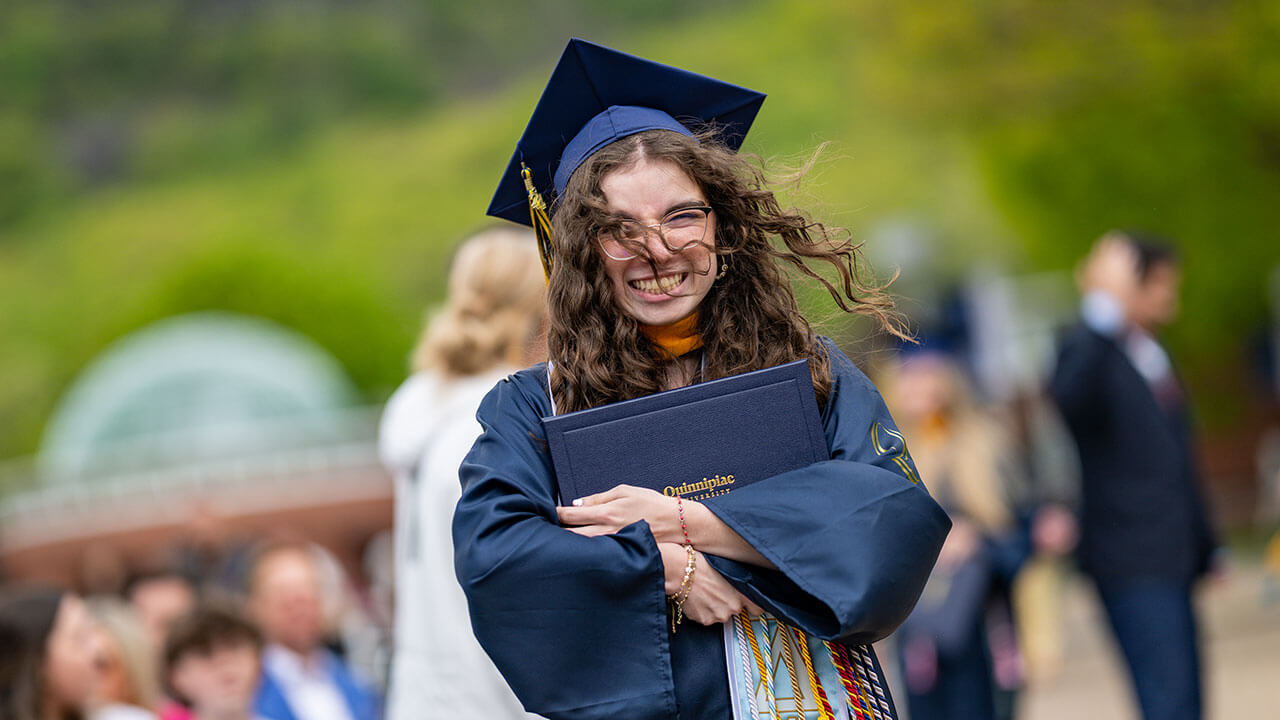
(697, 441)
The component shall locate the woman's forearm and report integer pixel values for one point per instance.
(712, 536)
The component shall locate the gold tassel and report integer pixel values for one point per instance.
(541, 223)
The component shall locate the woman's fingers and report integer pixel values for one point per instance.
(623, 505)
(613, 493)
(594, 515)
(711, 614)
(594, 508)
(571, 515)
(712, 599)
(592, 530)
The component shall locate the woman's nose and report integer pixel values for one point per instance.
(656, 245)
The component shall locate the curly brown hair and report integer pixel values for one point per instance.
(749, 319)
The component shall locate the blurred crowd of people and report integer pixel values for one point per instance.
(233, 629)
(176, 647)
(1000, 569)
(1134, 513)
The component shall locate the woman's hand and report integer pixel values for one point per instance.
(608, 512)
(711, 598)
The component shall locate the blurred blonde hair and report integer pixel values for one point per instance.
(496, 307)
(121, 623)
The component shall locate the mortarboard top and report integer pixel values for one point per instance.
(597, 95)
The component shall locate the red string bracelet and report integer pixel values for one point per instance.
(683, 529)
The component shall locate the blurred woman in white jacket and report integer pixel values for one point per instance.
(493, 323)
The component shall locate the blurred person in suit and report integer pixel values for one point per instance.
(301, 678)
(128, 682)
(491, 325)
(1145, 535)
(48, 653)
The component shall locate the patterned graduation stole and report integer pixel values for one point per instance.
(776, 672)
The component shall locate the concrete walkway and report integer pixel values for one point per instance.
(1242, 654)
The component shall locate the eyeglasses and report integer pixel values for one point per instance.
(679, 230)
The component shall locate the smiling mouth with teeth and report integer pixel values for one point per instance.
(657, 286)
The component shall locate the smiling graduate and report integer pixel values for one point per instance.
(665, 253)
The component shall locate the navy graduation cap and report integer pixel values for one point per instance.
(595, 96)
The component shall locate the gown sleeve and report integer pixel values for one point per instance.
(854, 538)
(575, 624)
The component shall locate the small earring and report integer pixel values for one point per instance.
(724, 267)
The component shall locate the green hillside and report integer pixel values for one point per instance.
(1017, 132)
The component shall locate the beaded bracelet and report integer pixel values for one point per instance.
(686, 586)
(683, 529)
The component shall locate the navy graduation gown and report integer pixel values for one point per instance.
(579, 626)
